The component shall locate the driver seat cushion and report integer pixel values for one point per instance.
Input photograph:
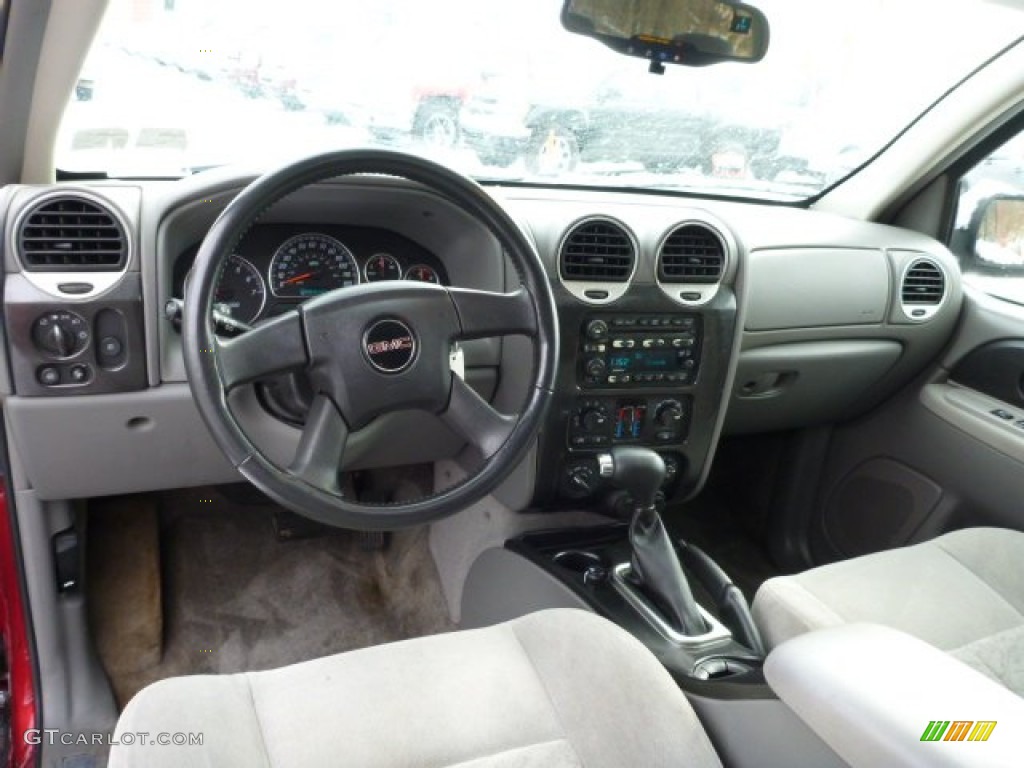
(557, 688)
(962, 592)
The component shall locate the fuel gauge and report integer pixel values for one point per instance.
(382, 266)
(423, 273)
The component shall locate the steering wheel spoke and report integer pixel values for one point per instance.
(487, 313)
(274, 346)
(476, 420)
(322, 446)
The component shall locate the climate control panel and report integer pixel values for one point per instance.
(599, 422)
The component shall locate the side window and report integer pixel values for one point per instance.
(988, 235)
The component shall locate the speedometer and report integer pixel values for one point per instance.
(310, 264)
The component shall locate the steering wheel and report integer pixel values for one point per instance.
(368, 350)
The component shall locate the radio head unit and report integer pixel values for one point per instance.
(639, 351)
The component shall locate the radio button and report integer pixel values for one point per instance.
(596, 368)
(597, 330)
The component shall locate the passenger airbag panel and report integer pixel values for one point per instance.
(814, 287)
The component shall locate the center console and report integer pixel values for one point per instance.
(651, 374)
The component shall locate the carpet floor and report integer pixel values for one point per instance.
(236, 598)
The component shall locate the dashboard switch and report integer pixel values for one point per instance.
(111, 330)
(79, 374)
(49, 376)
(60, 334)
(110, 346)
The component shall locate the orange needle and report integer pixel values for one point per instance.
(297, 278)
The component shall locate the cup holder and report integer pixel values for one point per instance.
(581, 561)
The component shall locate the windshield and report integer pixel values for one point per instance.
(501, 91)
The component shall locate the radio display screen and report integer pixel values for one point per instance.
(644, 360)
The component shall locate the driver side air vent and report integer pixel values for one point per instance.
(923, 284)
(71, 234)
(691, 254)
(597, 251)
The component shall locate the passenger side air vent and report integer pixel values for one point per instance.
(692, 253)
(923, 284)
(597, 251)
(71, 234)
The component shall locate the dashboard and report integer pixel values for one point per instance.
(680, 320)
(277, 266)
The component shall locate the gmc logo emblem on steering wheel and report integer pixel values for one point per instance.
(390, 346)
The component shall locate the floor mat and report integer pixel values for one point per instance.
(235, 598)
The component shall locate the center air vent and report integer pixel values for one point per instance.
(691, 254)
(71, 234)
(923, 284)
(597, 251)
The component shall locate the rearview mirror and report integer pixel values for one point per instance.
(999, 240)
(690, 32)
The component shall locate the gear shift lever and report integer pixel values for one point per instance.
(640, 472)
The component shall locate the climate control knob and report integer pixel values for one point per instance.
(669, 414)
(60, 334)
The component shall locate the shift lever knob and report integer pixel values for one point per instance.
(640, 471)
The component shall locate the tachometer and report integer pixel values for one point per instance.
(423, 273)
(240, 292)
(310, 264)
(382, 266)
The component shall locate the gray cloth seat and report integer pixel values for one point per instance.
(555, 688)
(962, 593)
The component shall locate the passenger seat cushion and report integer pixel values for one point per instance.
(962, 592)
(556, 688)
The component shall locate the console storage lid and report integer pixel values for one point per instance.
(874, 694)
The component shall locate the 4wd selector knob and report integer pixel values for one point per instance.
(593, 420)
(60, 334)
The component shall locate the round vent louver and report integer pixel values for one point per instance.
(597, 251)
(923, 289)
(71, 233)
(692, 253)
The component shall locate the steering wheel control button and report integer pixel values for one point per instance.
(389, 345)
(49, 376)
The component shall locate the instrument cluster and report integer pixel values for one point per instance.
(276, 266)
